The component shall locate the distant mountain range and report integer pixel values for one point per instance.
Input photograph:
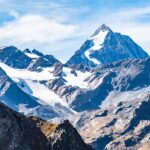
(110, 72)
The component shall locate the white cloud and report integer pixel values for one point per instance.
(135, 12)
(35, 30)
(14, 13)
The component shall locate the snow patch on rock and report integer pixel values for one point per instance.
(98, 39)
(78, 80)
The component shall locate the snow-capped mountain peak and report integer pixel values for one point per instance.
(30, 54)
(27, 51)
(99, 36)
(102, 28)
(106, 46)
(97, 40)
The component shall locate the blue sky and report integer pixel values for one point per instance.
(60, 27)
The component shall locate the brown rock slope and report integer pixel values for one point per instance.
(122, 127)
(18, 132)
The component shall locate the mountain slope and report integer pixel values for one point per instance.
(34, 60)
(25, 96)
(13, 57)
(104, 89)
(106, 46)
(12, 95)
(106, 84)
(19, 132)
(39, 60)
(64, 89)
(125, 126)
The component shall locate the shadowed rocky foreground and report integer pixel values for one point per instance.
(18, 132)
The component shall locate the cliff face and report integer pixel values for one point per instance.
(66, 137)
(19, 132)
(61, 136)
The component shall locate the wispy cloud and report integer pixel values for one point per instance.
(35, 30)
(64, 25)
(14, 13)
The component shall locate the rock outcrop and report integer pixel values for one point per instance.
(13, 57)
(19, 132)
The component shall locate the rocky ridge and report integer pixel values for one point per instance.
(20, 132)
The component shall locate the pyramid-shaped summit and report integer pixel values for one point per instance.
(102, 28)
(106, 46)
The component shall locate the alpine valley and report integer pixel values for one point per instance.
(99, 99)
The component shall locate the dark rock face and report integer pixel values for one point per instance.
(14, 57)
(114, 48)
(66, 137)
(19, 132)
(51, 59)
(79, 60)
(58, 69)
(42, 61)
(130, 74)
(92, 98)
(74, 72)
(37, 53)
(118, 47)
(27, 51)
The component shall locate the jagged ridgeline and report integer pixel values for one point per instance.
(103, 89)
(32, 133)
